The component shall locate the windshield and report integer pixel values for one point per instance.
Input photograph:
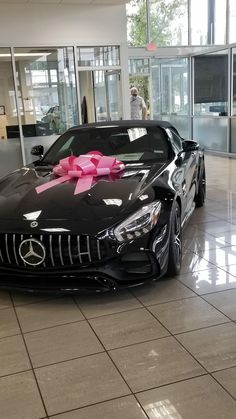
(139, 145)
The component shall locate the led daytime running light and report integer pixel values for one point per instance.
(138, 224)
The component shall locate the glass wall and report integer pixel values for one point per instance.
(137, 23)
(208, 22)
(170, 97)
(139, 66)
(211, 104)
(179, 22)
(98, 56)
(233, 104)
(168, 22)
(46, 93)
(10, 148)
(211, 84)
(232, 21)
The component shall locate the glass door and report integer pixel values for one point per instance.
(107, 95)
(113, 95)
(100, 96)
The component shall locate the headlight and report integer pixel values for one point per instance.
(140, 223)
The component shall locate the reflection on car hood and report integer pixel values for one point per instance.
(105, 203)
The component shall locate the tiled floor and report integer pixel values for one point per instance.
(164, 350)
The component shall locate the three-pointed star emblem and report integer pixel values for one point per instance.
(32, 251)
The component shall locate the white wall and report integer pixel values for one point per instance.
(40, 25)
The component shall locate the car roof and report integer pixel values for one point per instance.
(125, 123)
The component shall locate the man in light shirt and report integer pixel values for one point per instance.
(138, 109)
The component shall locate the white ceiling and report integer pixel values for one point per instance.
(78, 2)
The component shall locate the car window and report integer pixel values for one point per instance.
(129, 144)
(175, 140)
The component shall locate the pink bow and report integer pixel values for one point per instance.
(85, 167)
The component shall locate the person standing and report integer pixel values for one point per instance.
(138, 108)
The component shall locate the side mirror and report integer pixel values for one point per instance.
(37, 150)
(190, 145)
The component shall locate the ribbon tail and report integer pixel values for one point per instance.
(52, 183)
(83, 184)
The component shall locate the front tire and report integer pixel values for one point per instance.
(175, 247)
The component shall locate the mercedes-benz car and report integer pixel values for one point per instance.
(123, 230)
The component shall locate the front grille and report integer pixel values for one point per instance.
(61, 250)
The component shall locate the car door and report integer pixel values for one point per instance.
(186, 171)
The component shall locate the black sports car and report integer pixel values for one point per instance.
(125, 229)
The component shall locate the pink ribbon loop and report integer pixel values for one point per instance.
(85, 168)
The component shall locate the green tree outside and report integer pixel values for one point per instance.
(164, 27)
(163, 17)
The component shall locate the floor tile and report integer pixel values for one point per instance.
(127, 328)
(228, 237)
(220, 257)
(214, 347)
(224, 301)
(22, 298)
(125, 408)
(191, 231)
(227, 378)
(162, 291)
(81, 382)
(219, 226)
(19, 397)
(192, 262)
(225, 214)
(48, 313)
(201, 243)
(212, 206)
(208, 281)
(8, 323)
(188, 314)
(197, 398)
(155, 363)
(5, 300)
(107, 303)
(71, 341)
(201, 216)
(13, 356)
(231, 269)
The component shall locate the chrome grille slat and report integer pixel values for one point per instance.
(98, 250)
(60, 250)
(50, 250)
(7, 250)
(22, 238)
(14, 248)
(41, 239)
(88, 248)
(69, 249)
(78, 248)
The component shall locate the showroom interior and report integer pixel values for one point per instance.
(166, 349)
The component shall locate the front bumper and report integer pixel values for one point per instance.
(119, 266)
(126, 270)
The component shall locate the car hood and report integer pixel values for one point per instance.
(105, 203)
